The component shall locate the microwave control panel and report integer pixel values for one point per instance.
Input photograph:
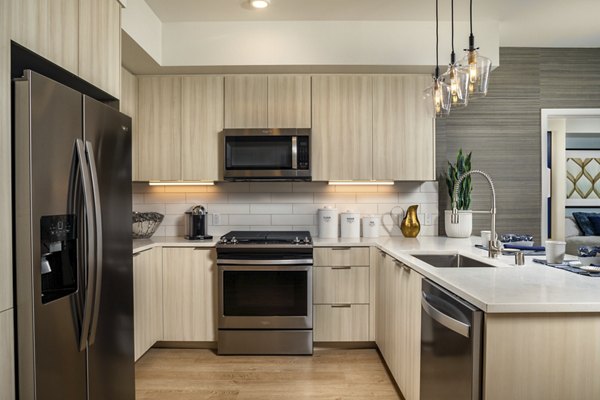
(303, 152)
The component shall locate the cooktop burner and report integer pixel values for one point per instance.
(266, 237)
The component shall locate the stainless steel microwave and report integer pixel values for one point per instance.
(266, 154)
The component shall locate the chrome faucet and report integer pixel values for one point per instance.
(494, 248)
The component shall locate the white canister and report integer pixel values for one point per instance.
(328, 222)
(370, 226)
(350, 224)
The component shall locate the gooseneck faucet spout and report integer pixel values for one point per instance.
(494, 249)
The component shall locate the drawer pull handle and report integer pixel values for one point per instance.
(142, 251)
(406, 268)
(345, 267)
(340, 248)
(341, 305)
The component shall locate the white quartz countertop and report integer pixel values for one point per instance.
(532, 288)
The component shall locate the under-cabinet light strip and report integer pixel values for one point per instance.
(360, 183)
(181, 183)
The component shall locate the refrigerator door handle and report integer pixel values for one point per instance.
(98, 244)
(90, 261)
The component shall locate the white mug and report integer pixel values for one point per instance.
(486, 236)
(555, 251)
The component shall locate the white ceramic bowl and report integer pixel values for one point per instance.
(589, 260)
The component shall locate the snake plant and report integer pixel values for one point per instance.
(463, 164)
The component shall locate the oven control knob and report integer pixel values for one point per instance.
(233, 240)
(306, 240)
(296, 240)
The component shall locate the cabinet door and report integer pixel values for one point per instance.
(49, 28)
(7, 354)
(412, 351)
(289, 101)
(100, 44)
(341, 285)
(147, 300)
(342, 121)
(159, 126)
(403, 129)
(246, 101)
(129, 105)
(202, 121)
(189, 294)
(341, 322)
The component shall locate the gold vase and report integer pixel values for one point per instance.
(410, 225)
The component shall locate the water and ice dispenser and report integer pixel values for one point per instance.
(58, 261)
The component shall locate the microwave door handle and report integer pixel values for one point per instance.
(98, 245)
(294, 152)
(90, 235)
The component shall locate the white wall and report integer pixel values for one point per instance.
(140, 22)
(284, 205)
(377, 43)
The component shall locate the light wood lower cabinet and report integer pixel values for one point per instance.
(341, 285)
(341, 294)
(147, 300)
(189, 294)
(398, 322)
(7, 360)
(341, 322)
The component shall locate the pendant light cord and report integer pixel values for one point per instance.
(452, 55)
(437, 39)
(470, 15)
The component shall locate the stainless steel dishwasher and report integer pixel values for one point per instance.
(451, 346)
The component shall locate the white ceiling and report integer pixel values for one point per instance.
(539, 23)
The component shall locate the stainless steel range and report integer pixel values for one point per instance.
(265, 293)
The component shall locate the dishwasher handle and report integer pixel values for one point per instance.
(453, 324)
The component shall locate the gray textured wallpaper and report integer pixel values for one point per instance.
(503, 129)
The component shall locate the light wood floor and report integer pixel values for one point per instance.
(182, 374)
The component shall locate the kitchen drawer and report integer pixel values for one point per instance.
(335, 285)
(341, 323)
(341, 257)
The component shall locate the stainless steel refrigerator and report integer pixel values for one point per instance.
(72, 226)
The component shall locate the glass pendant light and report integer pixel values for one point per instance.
(479, 66)
(457, 76)
(439, 92)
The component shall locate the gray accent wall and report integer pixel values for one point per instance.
(503, 129)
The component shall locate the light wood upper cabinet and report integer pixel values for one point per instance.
(100, 44)
(246, 101)
(202, 121)
(342, 123)
(49, 28)
(189, 294)
(159, 127)
(403, 129)
(147, 300)
(129, 106)
(289, 101)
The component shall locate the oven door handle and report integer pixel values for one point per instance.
(261, 268)
(305, 261)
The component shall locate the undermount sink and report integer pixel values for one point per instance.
(451, 261)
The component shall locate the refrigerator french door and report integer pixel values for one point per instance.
(72, 212)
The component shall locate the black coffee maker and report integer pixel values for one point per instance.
(196, 224)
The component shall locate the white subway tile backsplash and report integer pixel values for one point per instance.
(229, 209)
(268, 187)
(335, 198)
(271, 208)
(295, 219)
(250, 219)
(164, 198)
(206, 198)
(292, 197)
(377, 198)
(249, 198)
(285, 205)
(159, 208)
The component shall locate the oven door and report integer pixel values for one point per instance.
(265, 297)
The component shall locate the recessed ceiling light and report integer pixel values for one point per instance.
(260, 3)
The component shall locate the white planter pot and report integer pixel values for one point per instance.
(464, 228)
